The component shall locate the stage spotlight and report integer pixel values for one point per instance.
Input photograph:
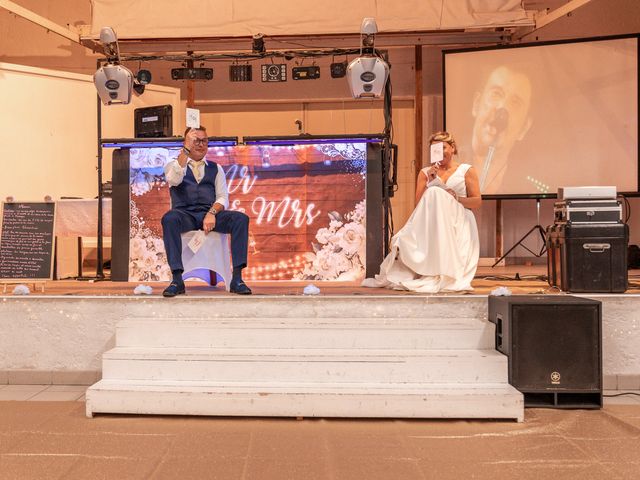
(192, 73)
(367, 74)
(258, 43)
(113, 81)
(311, 72)
(240, 73)
(338, 70)
(274, 72)
(144, 77)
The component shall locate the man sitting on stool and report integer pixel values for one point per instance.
(199, 197)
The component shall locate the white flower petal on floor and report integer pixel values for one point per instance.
(143, 290)
(21, 290)
(311, 289)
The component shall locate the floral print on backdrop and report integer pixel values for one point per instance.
(339, 253)
(147, 258)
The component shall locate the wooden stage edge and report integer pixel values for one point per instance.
(521, 280)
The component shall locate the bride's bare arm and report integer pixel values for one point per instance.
(421, 186)
(473, 199)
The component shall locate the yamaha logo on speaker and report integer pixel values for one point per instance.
(555, 378)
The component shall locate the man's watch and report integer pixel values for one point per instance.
(212, 212)
(186, 151)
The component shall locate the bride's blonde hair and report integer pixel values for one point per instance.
(444, 137)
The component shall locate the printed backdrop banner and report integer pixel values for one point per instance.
(306, 206)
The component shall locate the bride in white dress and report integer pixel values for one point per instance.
(438, 248)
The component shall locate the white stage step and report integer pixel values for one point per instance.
(455, 333)
(326, 357)
(298, 365)
(307, 400)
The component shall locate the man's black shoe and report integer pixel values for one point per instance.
(239, 287)
(173, 289)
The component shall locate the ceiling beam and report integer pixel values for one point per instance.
(281, 43)
(40, 21)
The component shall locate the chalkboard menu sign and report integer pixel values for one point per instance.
(27, 241)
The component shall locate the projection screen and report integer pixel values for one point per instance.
(532, 118)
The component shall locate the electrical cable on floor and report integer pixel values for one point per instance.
(542, 278)
(494, 277)
(504, 278)
(620, 394)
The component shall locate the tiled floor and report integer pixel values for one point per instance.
(43, 393)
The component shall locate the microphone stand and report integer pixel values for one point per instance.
(500, 122)
(537, 227)
(485, 167)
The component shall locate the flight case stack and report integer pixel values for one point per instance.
(587, 244)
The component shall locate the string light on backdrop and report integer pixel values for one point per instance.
(266, 158)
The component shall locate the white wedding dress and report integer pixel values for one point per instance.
(438, 248)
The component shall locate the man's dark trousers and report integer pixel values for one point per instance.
(180, 220)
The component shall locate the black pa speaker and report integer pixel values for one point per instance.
(554, 345)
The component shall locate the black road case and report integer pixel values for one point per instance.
(588, 211)
(588, 257)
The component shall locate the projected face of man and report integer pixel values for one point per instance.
(501, 112)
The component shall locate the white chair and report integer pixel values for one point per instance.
(212, 262)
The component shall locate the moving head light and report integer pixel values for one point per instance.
(367, 74)
(114, 82)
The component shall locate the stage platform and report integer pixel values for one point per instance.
(60, 336)
(520, 279)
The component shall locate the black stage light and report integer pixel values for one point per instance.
(192, 73)
(144, 77)
(305, 73)
(240, 73)
(258, 43)
(338, 70)
(274, 72)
